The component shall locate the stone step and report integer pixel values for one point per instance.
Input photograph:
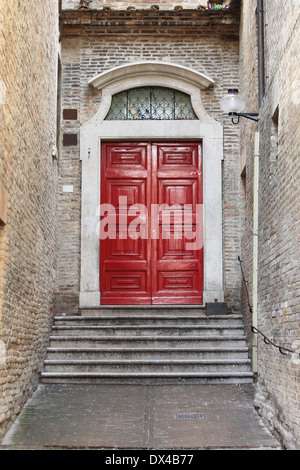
(163, 320)
(146, 344)
(147, 377)
(146, 341)
(225, 365)
(147, 330)
(147, 353)
(141, 310)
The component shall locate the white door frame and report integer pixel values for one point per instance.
(206, 129)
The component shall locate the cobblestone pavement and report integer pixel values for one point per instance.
(140, 417)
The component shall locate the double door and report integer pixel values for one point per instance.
(151, 249)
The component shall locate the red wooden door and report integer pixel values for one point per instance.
(161, 261)
(125, 262)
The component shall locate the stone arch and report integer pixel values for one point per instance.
(151, 73)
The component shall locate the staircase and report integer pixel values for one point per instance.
(144, 345)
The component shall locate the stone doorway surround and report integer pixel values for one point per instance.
(206, 129)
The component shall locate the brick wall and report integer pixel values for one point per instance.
(28, 176)
(94, 43)
(278, 381)
(249, 90)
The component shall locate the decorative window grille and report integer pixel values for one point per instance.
(151, 103)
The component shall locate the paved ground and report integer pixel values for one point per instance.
(140, 417)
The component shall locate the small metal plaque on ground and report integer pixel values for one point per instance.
(190, 416)
(216, 308)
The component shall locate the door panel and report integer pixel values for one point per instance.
(177, 271)
(125, 261)
(158, 267)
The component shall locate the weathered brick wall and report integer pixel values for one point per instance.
(278, 382)
(28, 174)
(249, 90)
(93, 44)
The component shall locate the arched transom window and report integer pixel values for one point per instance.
(151, 103)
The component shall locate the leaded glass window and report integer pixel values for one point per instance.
(151, 103)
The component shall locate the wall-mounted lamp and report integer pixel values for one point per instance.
(234, 104)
